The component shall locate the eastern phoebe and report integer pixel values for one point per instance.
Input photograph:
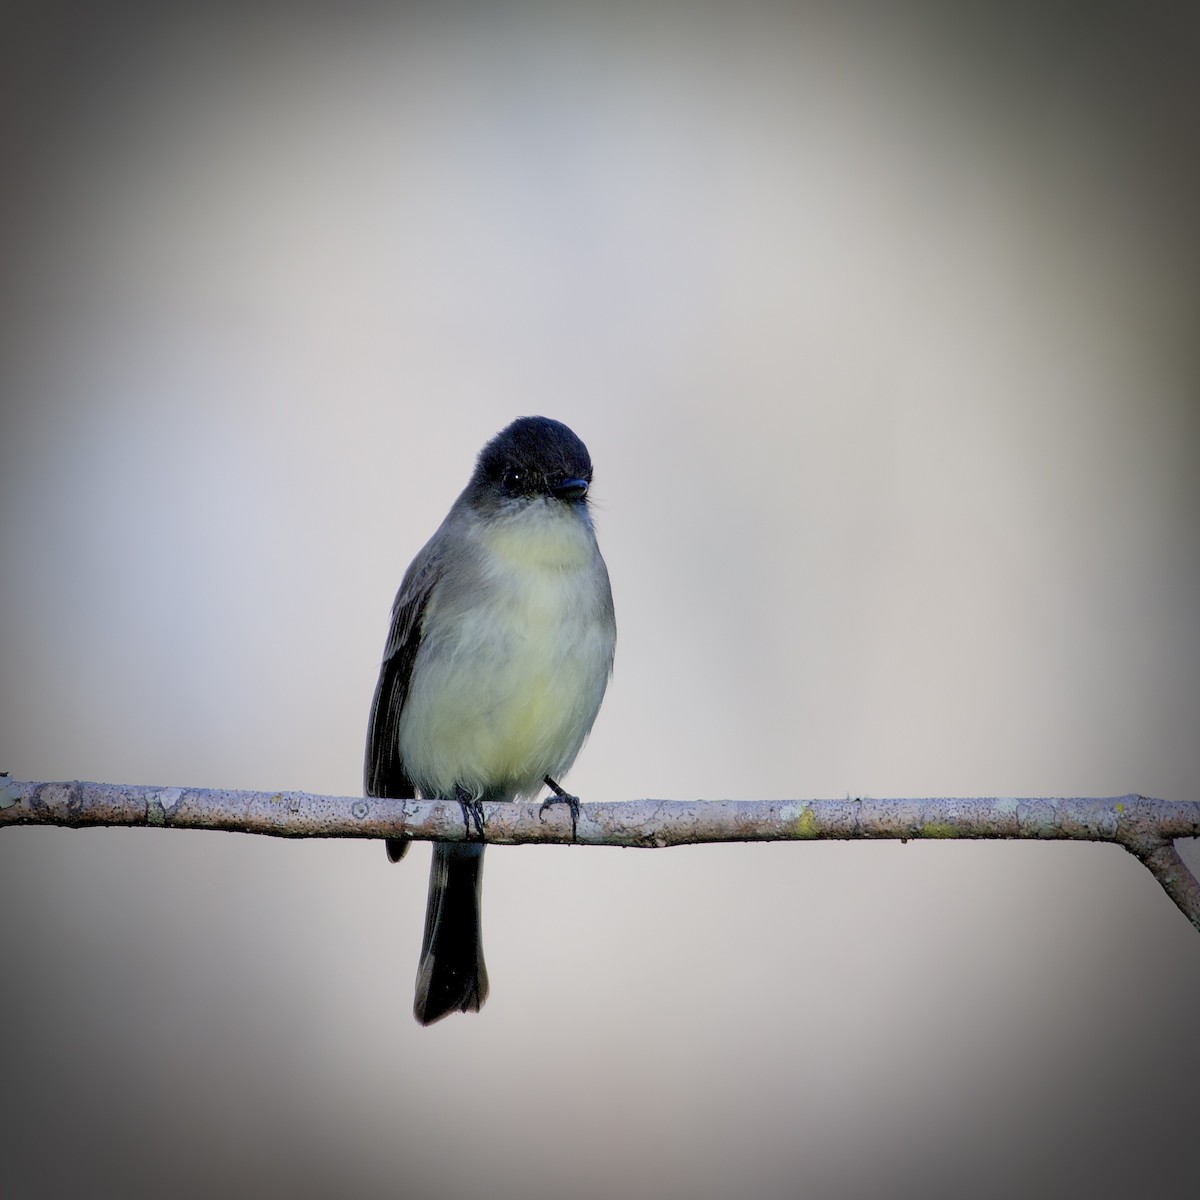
(500, 648)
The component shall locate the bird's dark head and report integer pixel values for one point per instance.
(533, 457)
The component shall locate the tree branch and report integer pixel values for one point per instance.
(1146, 828)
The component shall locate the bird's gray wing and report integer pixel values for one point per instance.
(384, 773)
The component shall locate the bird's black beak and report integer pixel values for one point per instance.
(568, 489)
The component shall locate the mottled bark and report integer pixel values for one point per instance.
(1145, 827)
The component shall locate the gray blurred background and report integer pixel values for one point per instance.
(880, 323)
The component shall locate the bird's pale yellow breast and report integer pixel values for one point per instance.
(511, 693)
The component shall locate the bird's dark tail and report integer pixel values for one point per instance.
(452, 976)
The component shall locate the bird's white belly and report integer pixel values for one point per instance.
(508, 693)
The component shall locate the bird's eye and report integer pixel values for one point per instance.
(514, 480)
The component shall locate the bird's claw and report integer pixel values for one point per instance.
(562, 797)
(472, 812)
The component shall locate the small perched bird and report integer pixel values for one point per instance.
(500, 648)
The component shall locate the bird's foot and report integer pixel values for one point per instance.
(562, 797)
(472, 811)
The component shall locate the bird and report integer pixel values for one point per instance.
(497, 658)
